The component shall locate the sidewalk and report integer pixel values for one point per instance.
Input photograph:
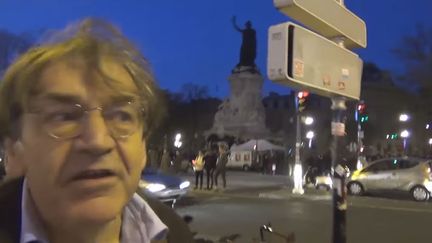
(286, 193)
(270, 192)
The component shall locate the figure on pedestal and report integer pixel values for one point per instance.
(248, 46)
(242, 115)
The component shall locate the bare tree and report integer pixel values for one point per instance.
(416, 53)
(191, 91)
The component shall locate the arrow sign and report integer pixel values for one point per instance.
(327, 17)
(302, 59)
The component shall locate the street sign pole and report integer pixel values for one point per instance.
(338, 173)
(298, 168)
(321, 63)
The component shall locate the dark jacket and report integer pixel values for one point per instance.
(10, 215)
(210, 161)
(222, 161)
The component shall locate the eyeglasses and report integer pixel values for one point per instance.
(66, 121)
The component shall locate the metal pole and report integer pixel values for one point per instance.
(298, 171)
(338, 173)
(360, 135)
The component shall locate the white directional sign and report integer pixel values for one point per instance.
(302, 59)
(327, 17)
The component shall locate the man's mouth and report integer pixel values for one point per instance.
(93, 174)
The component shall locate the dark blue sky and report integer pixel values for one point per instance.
(194, 41)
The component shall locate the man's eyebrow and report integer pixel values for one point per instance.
(122, 98)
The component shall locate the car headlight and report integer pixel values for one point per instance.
(184, 184)
(155, 187)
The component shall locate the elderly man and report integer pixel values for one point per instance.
(75, 114)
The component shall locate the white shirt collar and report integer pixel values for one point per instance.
(139, 224)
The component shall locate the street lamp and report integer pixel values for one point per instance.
(403, 117)
(310, 135)
(177, 142)
(404, 134)
(309, 120)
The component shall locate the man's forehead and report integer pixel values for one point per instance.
(73, 77)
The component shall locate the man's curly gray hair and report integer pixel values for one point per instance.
(89, 38)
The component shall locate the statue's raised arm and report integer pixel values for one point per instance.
(234, 22)
(248, 46)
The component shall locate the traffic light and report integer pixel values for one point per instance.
(364, 118)
(302, 100)
(361, 108)
(392, 136)
(362, 115)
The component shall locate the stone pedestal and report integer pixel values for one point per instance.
(242, 115)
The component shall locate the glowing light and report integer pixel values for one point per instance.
(310, 134)
(184, 184)
(404, 134)
(359, 165)
(298, 179)
(309, 120)
(403, 117)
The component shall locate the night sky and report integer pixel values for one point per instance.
(193, 41)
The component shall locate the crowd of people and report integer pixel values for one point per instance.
(209, 164)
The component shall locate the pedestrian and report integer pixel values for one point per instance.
(198, 165)
(210, 159)
(75, 114)
(221, 162)
(266, 164)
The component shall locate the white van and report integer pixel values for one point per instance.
(240, 160)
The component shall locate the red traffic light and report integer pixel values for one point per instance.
(302, 94)
(361, 108)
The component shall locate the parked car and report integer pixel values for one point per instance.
(165, 187)
(401, 174)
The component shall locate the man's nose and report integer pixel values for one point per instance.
(95, 135)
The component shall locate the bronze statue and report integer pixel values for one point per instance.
(248, 46)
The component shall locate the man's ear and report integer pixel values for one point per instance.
(14, 166)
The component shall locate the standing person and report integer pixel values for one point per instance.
(210, 159)
(165, 161)
(75, 115)
(198, 168)
(265, 164)
(222, 160)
